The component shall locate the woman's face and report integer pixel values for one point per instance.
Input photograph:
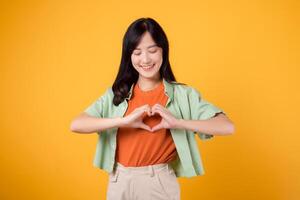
(147, 57)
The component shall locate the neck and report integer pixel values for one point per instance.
(146, 84)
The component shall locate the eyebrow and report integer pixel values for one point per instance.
(154, 45)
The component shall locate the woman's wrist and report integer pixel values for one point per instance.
(179, 124)
(121, 121)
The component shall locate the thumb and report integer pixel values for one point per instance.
(144, 126)
(157, 127)
(139, 113)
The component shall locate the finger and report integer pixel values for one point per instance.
(143, 107)
(136, 115)
(149, 112)
(159, 108)
(147, 106)
(160, 112)
(140, 113)
(158, 105)
(144, 126)
(147, 109)
(154, 106)
(157, 127)
(164, 109)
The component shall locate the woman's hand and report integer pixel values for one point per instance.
(168, 120)
(135, 118)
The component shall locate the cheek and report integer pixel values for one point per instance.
(133, 60)
(134, 63)
(157, 58)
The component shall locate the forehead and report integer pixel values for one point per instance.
(146, 41)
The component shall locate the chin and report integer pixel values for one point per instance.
(152, 75)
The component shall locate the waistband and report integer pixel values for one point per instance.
(146, 168)
(149, 169)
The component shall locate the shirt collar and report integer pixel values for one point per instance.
(168, 89)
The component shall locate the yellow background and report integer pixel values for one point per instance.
(57, 57)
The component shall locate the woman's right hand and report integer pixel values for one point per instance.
(135, 118)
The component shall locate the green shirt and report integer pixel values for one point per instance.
(184, 102)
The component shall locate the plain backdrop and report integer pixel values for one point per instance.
(57, 57)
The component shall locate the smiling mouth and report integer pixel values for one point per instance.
(148, 67)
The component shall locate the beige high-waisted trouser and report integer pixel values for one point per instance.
(152, 182)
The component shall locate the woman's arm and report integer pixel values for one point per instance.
(218, 125)
(85, 123)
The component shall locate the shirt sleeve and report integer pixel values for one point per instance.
(202, 110)
(96, 108)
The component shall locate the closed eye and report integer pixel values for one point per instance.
(153, 51)
(138, 52)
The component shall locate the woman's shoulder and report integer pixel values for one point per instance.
(183, 87)
(107, 93)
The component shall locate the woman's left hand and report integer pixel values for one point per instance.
(168, 120)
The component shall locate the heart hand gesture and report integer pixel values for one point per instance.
(135, 118)
(168, 120)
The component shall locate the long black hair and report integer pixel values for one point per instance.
(127, 74)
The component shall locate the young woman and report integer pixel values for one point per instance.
(146, 122)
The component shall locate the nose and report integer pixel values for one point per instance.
(146, 59)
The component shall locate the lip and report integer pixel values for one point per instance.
(147, 69)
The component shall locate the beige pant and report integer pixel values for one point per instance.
(152, 182)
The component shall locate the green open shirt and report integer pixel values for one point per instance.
(184, 102)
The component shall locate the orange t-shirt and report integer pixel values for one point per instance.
(139, 147)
